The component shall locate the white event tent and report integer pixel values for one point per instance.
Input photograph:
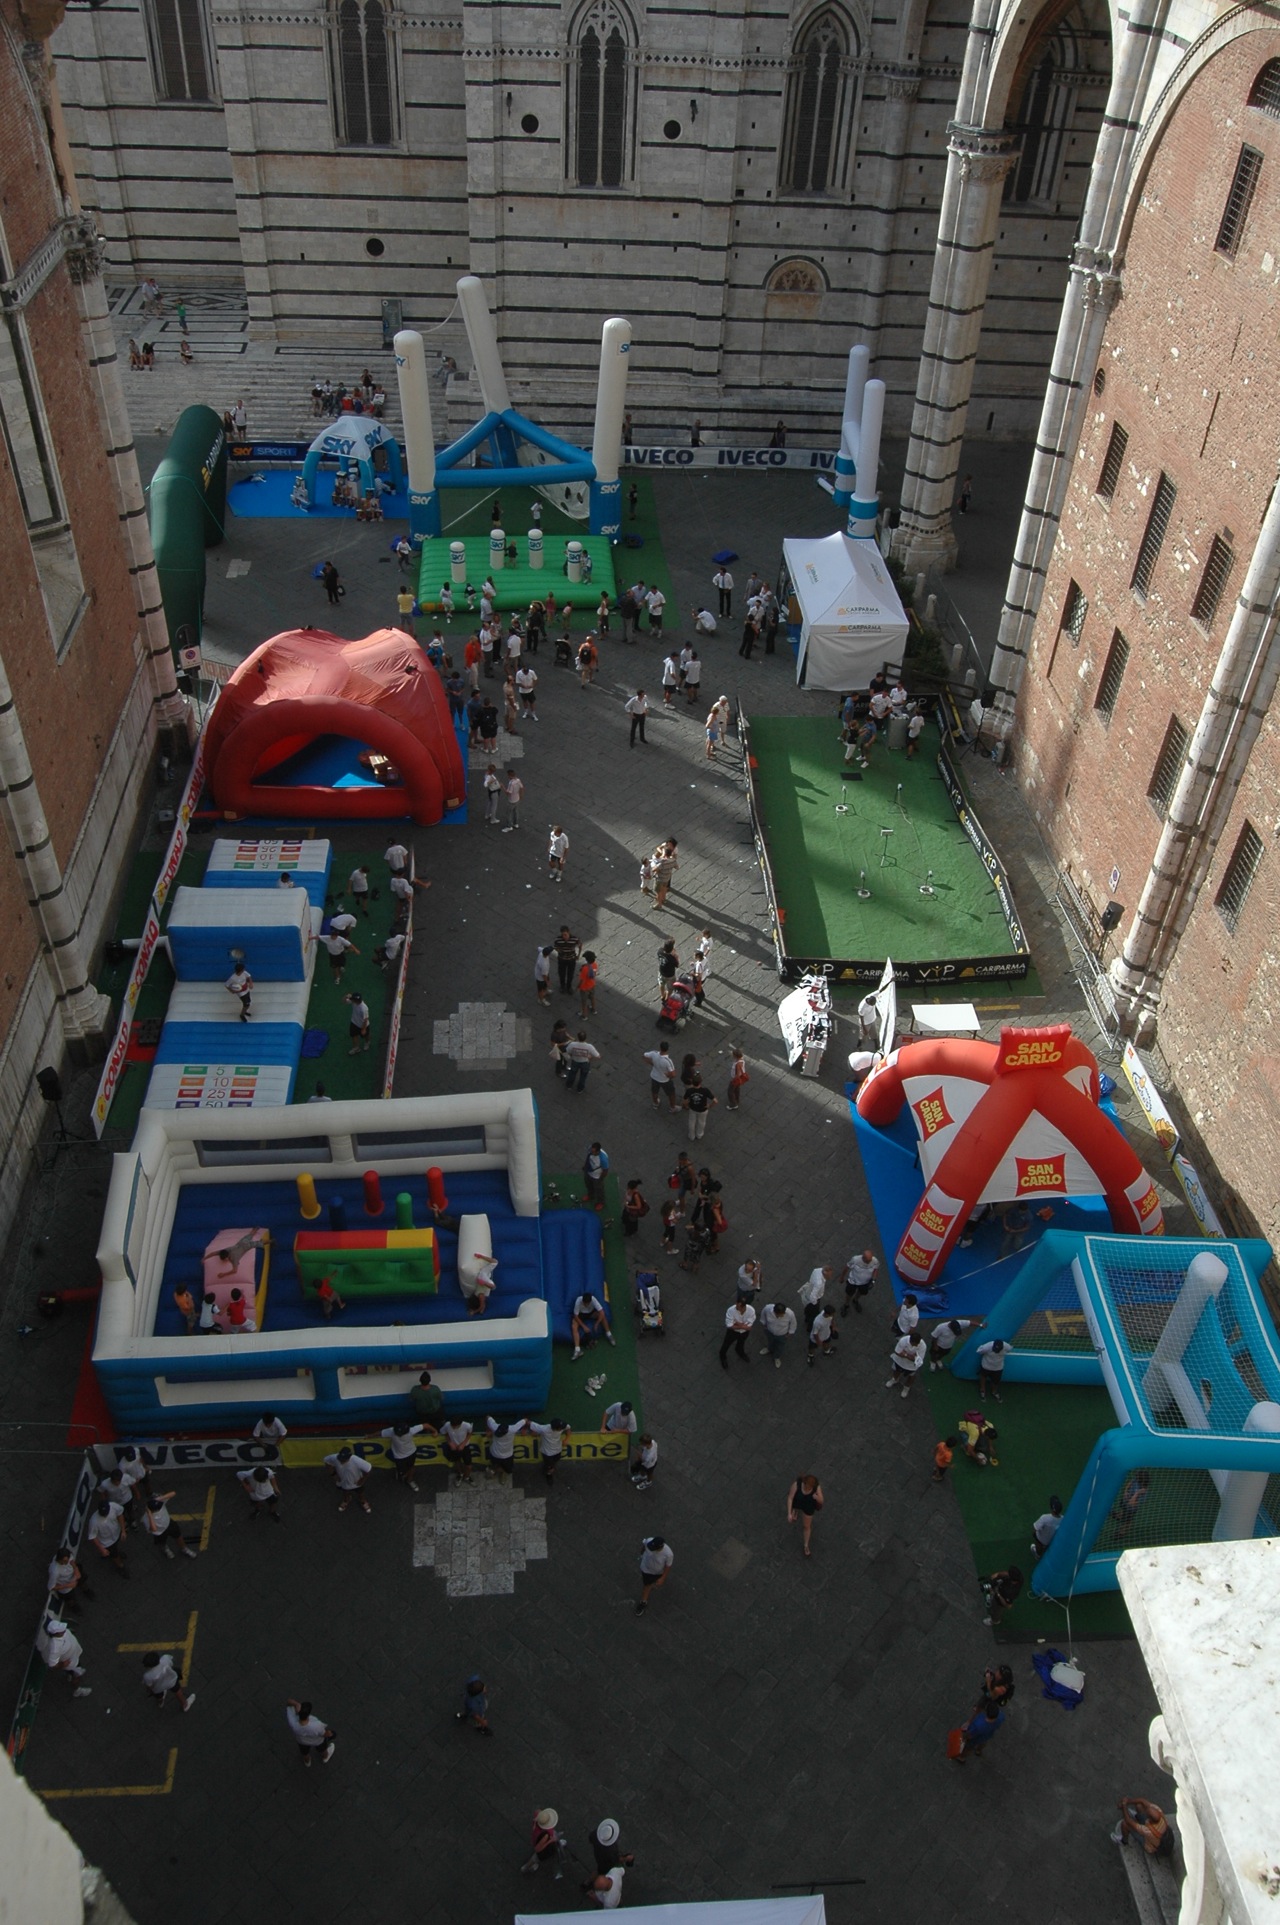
(851, 620)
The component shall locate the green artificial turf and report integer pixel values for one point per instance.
(1046, 1435)
(819, 855)
(343, 1075)
(518, 584)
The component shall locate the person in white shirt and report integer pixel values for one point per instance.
(879, 707)
(738, 1321)
(750, 1279)
(357, 1023)
(396, 857)
(349, 1474)
(269, 1429)
(693, 675)
(337, 945)
(637, 707)
(492, 790)
(662, 1076)
(342, 924)
(897, 697)
(514, 790)
(160, 1676)
(527, 683)
(557, 853)
(61, 1650)
(655, 601)
(502, 1444)
(552, 1438)
(869, 1018)
(579, 1055)
(404, 1452)
(455, 1438)
(722, 582)
(944, 1337)
(1045, 1528)
(814, 1289)
(908, 1354)
(240, 984)
(107, 1532)
(320, 1095)
(311, 1734)
(587, 1322)
(778, 1323)
(704, 622)
(991, 1362)
(606, 1887)
(822, 1333)
(162, 1529)
(906, 1317)
(263, 1492)
(656, 1559)
(644, 1465)
(358, 886)
(619, 1417)
(915, 729)
(478, 1289)
(65, 1578)
(670, 678)
(859, 1275)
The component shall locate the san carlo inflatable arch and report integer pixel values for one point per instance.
(999, 1122)
(380, 691)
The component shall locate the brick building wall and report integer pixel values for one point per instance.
(1188, 370)
(75, 737)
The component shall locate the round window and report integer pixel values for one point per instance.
(673, 130)
(529, 122)
(376, 248)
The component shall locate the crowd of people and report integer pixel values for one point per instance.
(332, 398)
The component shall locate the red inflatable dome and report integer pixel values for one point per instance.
(380, 692)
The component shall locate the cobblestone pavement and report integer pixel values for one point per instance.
(771, 1722)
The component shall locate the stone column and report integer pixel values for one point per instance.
(978, 160)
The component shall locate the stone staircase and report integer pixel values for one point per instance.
(275, 383)
(1154, 1886)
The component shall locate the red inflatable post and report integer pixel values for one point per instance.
(435, 1189)
(372, 1194)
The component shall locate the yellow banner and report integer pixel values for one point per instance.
(599, 1447)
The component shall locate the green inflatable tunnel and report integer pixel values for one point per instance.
(187, 505)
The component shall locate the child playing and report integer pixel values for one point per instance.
(738, 1076)
(943, 1452)
(328, 1297)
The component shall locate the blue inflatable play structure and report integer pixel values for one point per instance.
(203, 1204)
(1178, 1333)
(206, 1057)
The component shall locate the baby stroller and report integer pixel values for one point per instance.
(648, 1304)
(564, 652)
(676, 1005)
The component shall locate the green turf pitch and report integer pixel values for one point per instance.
(1046, 1433)
(822, 833)
(518, 584)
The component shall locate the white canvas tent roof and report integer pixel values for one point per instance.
(851, 618)
(732, 1911)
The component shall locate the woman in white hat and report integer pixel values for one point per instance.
(604, 1843)
(547, 1842)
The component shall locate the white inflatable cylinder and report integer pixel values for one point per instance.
(497, 550)
(611, 398)
(573, 560)
(415, 410)
(854, 385)
(850, 425)
(458, 563)
(1243, 1491)
(484, 345)
(869, 440)
(534, 539)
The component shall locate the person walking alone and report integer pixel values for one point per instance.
(738, 1321)
(804, 1501)
(656, 1559)
(637, 708)
(698, 1102)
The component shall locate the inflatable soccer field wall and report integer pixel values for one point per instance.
(191, 1173)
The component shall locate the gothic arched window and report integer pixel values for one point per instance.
(815, 124)
(364, 95)
(601, 97)
(1265, 91)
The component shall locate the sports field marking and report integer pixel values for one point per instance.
(169, 1644)
(120, 1791)
(204, 1518)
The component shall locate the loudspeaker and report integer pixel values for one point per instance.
(988, 697)
(1111, 915)
(50, 1086)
